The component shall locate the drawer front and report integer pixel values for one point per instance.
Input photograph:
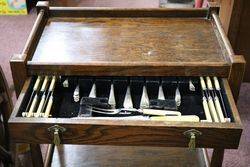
(95, 131)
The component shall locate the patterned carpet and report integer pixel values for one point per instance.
(14, 31)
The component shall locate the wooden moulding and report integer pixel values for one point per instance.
(125, 12)
(18, 61)
(131, 133)
(227, 45)
(35, 34)
(165, 69)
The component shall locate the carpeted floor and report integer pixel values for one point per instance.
(14, 31)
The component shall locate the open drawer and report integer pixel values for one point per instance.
(95, 131)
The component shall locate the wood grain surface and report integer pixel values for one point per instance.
(127, 40)
(123, 133)
(129, 46)
(92, 156)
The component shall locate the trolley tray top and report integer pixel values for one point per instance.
(129, 41)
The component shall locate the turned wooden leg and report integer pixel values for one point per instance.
(36, 155)
(5, 156)
(217, 157)
(49, 155)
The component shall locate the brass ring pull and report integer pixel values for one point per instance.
(192, 134)
(56, 129)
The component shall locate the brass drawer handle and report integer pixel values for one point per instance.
(192, 134)
(56, 129)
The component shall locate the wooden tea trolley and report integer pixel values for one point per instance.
(127, 77)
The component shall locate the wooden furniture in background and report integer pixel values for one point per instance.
(56, 46)
(6, 107)
(235, 16)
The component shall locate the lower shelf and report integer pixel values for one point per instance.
(92, 156)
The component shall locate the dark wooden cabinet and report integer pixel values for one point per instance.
(6, 108)
(235, 19)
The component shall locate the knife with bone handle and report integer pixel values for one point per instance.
(46, 114)
(210, 100)
(136, 118)
(32, 107)
(183, 118)
(49, 99)
(135, 111)
(159, 112)
(41, 104)
(32, 98)
(42, 101)
(216, 100)
(218, 88)
(206, 108)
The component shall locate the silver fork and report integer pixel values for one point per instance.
(142, 111)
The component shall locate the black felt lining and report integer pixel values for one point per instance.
(65, 107)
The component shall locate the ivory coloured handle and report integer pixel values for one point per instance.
(185, 118)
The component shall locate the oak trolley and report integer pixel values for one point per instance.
(127, 77)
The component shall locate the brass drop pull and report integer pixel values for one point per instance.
(192, 134)
(56, 129)
(56, 139)
(191, 143)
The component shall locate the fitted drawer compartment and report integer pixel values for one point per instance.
(99, 129)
